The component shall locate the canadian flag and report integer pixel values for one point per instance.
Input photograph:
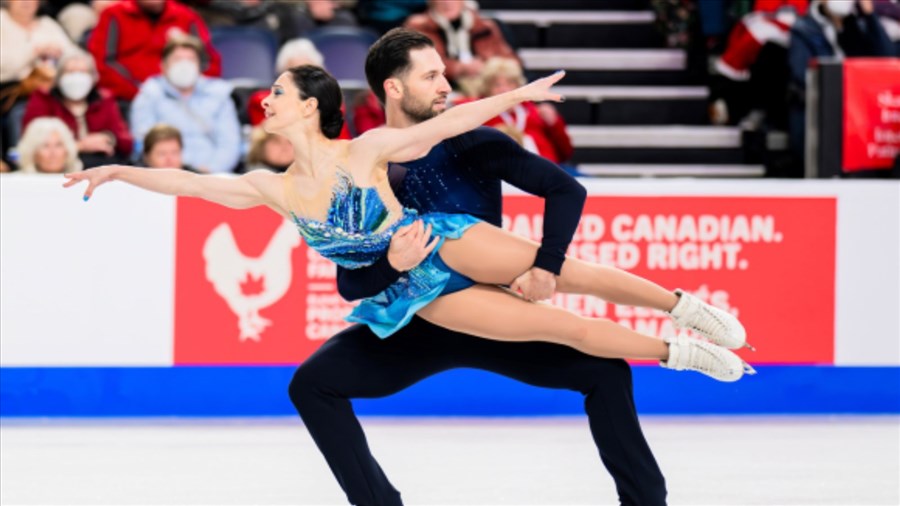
(240, 287)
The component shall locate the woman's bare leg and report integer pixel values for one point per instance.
(493, 313)
(491, 255)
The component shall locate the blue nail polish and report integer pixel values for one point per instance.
(86, 198)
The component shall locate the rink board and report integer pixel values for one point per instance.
(129, 304)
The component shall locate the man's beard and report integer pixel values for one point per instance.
(416, 111)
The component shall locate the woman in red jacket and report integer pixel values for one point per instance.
(90, 113)
(542, 129)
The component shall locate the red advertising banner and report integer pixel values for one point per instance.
(770, 261)
(871, 113)
(247, 290)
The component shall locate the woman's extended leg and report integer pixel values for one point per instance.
(490, 312)
(493, 313)
(491, 255)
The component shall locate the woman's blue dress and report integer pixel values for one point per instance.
(358, 231)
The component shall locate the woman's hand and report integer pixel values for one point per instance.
(95, 177)
(539, 90)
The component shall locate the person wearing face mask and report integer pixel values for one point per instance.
(832, 28)
(48, 147)
(91, 114)
(200, 107)
(30, 46)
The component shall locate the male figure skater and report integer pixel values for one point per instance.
(462, 175)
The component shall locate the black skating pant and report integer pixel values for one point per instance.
(356, 364)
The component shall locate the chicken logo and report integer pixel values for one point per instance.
(250, 284)
(242, 288)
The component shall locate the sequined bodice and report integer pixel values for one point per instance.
(358, 227)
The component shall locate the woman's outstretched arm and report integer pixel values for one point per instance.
(404, 144)
(248, 190)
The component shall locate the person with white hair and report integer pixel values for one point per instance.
(30, 46)
(90, 113)
(298, 52)
(48, 147)
(293, 53)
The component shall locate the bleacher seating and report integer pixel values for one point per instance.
(634, 107)
(248, 54)
(345, 49)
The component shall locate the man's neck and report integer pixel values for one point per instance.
(396, 118)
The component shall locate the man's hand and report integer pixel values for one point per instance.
(535, 284)
(410, 245)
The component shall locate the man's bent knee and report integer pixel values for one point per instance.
(305, 385)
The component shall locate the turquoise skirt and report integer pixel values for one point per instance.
(393, 308)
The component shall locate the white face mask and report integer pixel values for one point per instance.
(183, 74)
(76, 85)
(840, 8)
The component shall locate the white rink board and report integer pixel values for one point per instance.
(85, 284)
(92, 284)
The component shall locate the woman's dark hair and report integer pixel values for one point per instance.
(389, 57)
(313, 81)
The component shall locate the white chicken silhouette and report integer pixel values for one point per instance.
(228, 269)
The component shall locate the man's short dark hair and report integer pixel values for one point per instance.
(389, 57)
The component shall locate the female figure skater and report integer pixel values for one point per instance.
(337, 193)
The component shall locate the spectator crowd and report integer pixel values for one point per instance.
(761, 51)
(90, 82)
